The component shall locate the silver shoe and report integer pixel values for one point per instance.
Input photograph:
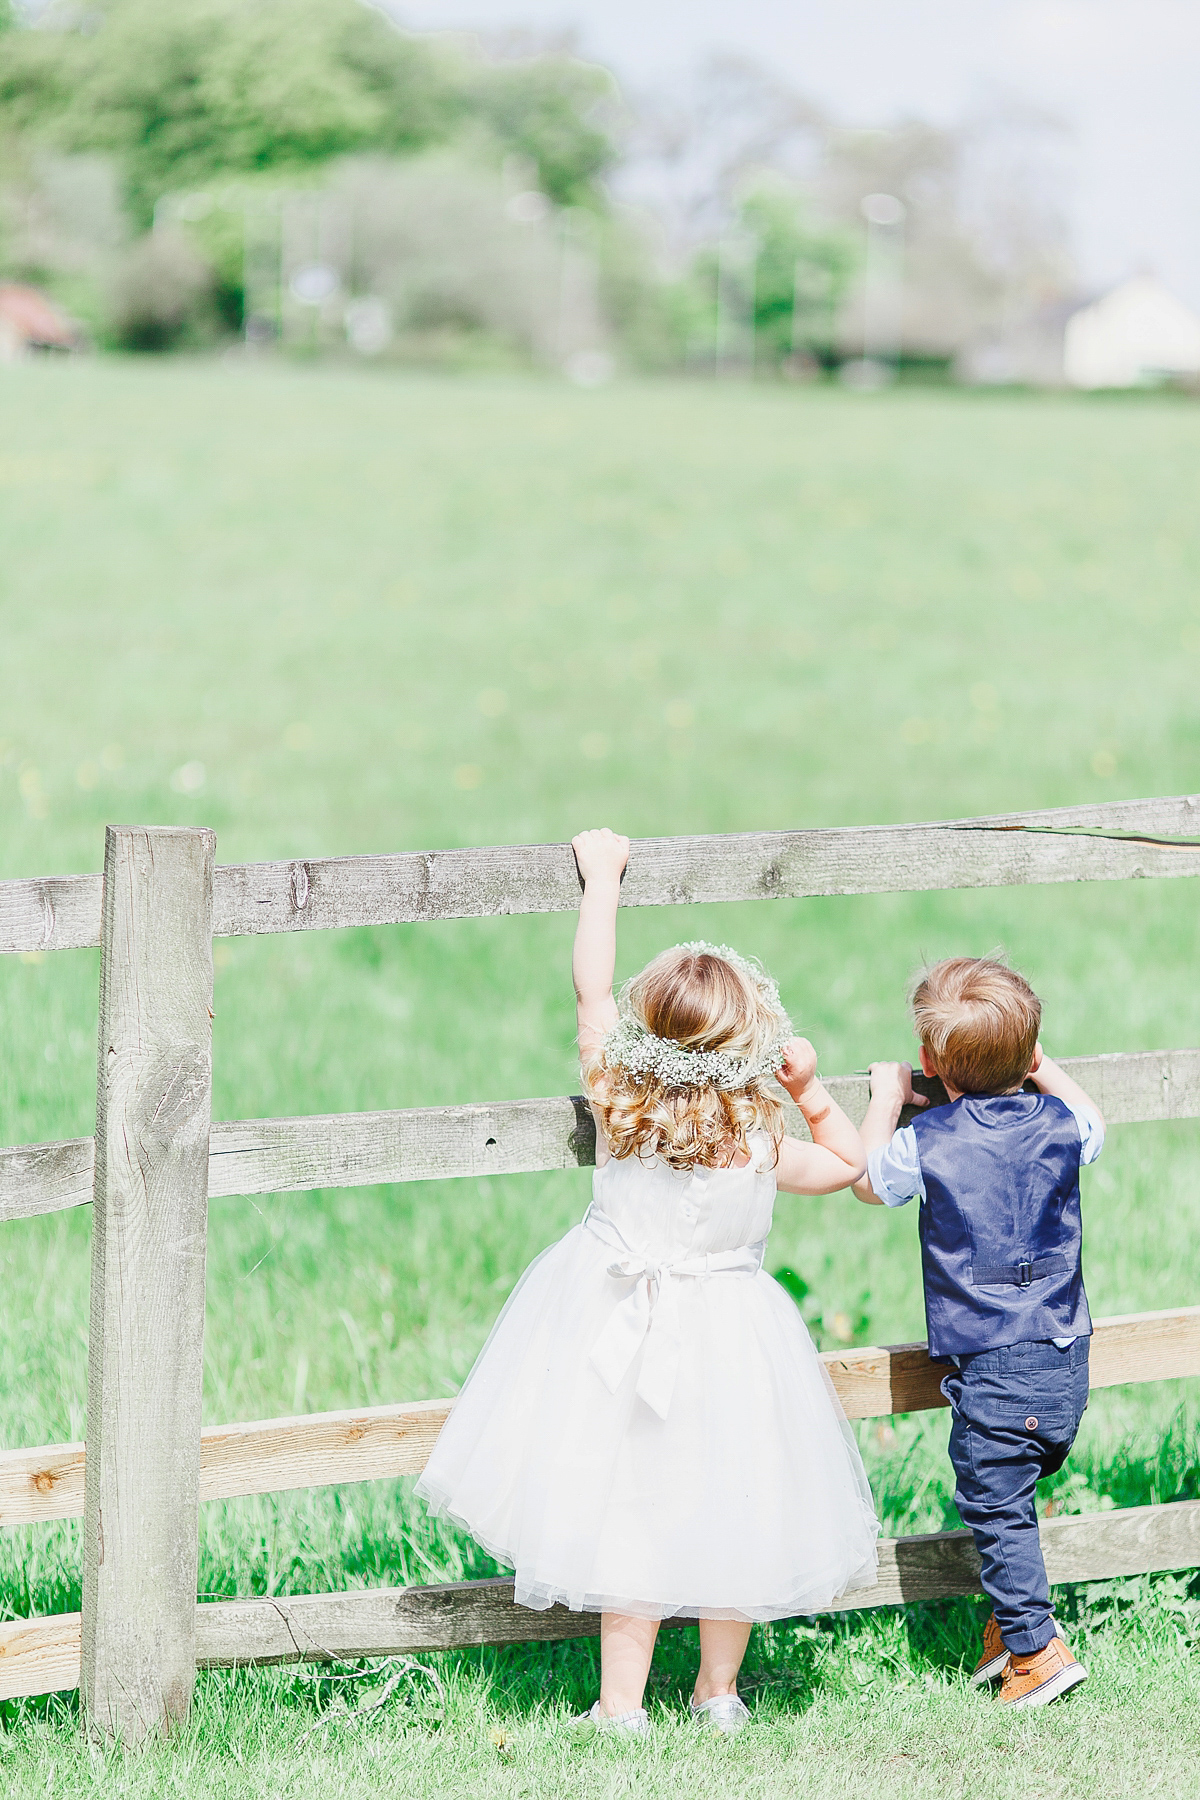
(629, 1724)
(724, 1713)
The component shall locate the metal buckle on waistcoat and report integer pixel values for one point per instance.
(1025, 1273)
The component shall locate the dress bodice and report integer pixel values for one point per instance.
(671, 1213)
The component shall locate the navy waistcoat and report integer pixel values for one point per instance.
(1001, 1232)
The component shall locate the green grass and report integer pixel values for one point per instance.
(397, 613)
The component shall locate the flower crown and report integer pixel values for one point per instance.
(630, 1046)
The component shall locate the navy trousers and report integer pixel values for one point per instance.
(1016, 1412)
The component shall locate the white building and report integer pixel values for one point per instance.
(1140, 333)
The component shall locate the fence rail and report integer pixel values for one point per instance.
(40, 1656)
(508, 1137)
(1116, 841)
(156, 1160)
(374, 1443)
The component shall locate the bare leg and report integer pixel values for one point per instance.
(626, 1646)
(722, 1647)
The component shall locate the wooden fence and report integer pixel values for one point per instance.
(157, 1157)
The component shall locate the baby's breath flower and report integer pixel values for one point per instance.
(630, 1046)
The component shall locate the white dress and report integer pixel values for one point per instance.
(648, 1429)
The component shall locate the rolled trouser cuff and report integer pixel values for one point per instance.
(1028, 1643)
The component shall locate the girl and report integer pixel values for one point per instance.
(648, 1432)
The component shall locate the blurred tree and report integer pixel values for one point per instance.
(802, 274)
(551, 110)
(945, 288)
(36, 73)
(183, 94)
(771, 291)
(985, 234)
(690, 151)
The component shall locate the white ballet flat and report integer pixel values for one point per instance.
(724, 1713)
(630, 1724)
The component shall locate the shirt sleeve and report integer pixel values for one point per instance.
(1091, 1133)
(895, 1171)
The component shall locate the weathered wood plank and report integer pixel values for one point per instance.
(375, 1442)
(378, 1442)
(266, 1156)
(1084, 1547)
(257, 1456)
(60, 912)
(322, 893)
(253, 1156)
(1133, 1347)
(446, 884)
(149, 1224)
(1154, 1346)
(1139, 1086)
(43, 1482)
(363, 1149)
(41, 1655)
(46, 1178)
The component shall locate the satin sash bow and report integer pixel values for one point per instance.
(650, 1314)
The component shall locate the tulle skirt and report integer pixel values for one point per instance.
(747, 1501)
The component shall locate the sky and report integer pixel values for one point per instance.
(1123, 75)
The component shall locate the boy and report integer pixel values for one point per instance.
(997, 1175)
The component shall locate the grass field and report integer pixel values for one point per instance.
(398, 613)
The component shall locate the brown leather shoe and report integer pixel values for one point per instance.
(1036, 1680)
(990, 1666)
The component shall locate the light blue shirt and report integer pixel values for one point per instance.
(895, 1170)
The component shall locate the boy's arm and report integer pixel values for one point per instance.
(601, 857)
(891, 1090)
(1048, 1078)
(835, 1156)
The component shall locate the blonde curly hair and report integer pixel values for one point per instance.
(697, 998)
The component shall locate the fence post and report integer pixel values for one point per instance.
(153, 1106)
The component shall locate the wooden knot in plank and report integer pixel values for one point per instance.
(169, 1101)
(299, 886)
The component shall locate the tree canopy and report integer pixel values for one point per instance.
(180, 94)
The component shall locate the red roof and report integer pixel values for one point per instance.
(34, 317)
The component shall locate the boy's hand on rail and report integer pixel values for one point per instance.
(891, 1091)
(600, 854)
(892, 1081)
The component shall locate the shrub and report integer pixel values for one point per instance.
(161, 295)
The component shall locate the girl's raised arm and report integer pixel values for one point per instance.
(601, 857)
(835, 1158)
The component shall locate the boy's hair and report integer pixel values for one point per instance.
(979, 1022)
(700, 1001)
